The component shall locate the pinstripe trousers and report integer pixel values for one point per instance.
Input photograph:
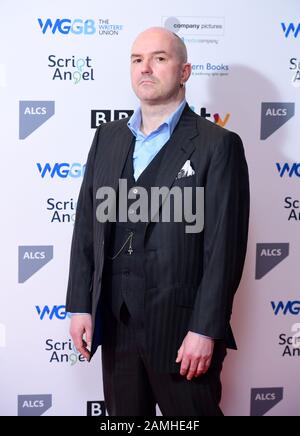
(132, 388)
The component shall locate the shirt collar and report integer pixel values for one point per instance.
(134, 122)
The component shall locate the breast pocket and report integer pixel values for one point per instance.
(185, 192)
(185, 181)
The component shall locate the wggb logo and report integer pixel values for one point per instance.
(290, 29)
(58, 312)
(288, 169)
(62, 170)
(286, 308)
(77, 26)
(65, 26)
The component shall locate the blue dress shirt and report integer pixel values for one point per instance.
(147, 146)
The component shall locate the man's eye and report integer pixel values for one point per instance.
(136, 61)
(160, 59)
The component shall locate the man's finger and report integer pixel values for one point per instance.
(192, 369)
(184, 365)
(179, 354)
(89, 338)
(203, 366)
(82, 349)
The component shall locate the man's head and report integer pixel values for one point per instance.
(159, 66)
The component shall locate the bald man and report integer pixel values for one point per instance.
(156, 295)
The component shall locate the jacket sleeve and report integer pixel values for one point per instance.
(226, 217)
(81, 268)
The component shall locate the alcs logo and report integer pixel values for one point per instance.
(67, 26)
(290, 28)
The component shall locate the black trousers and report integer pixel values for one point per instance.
(132, 388)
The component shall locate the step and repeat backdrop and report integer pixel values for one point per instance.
(64, 69)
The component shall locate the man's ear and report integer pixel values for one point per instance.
(186, 72)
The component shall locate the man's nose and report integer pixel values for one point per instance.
(146, 66)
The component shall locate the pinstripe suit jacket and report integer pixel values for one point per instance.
(198, 273)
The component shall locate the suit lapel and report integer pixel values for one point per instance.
(178, 149)
(116, 155)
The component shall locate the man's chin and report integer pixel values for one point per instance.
(150, 98)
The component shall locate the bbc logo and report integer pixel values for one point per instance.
(105, 116)
(96, 408)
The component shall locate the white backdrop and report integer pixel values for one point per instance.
(243, 54)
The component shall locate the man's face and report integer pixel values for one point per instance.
(156, 70)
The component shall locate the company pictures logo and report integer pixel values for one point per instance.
(209, 29)
(32, 114)
(268, 256)
(32, 258)
(73, 69)
(273, 116)
(78, 26)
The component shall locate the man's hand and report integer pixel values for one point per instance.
(80, 325)
(195, 355)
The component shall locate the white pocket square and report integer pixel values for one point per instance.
(186, 171)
